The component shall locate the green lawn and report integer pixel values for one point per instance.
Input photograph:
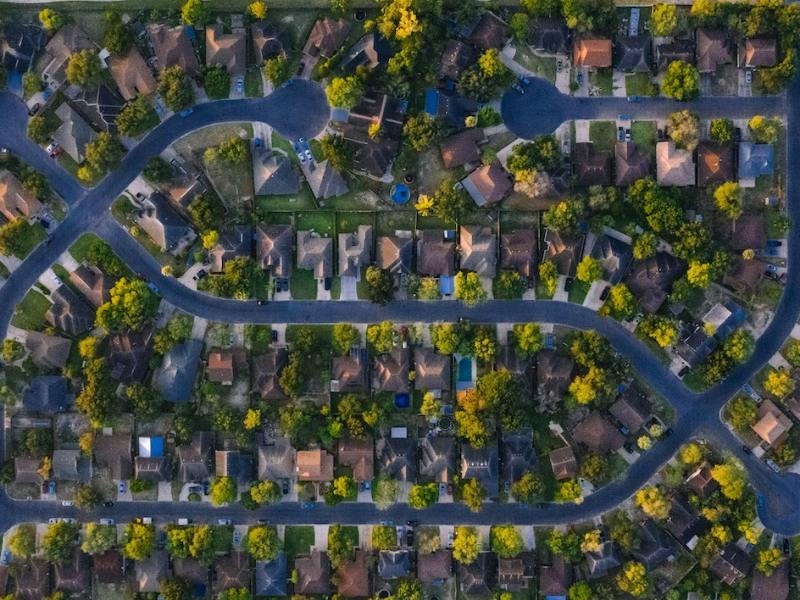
(543, 66)
(303, 285)
(578, 291)
(645, 134)
(297, 541)
(324, 223)
(30, 237)
(347, 222)
(602, 134)
(4, 272)
(222, 538)
(252, 84)
(29, 314)
(639, 84)
(122, 210)
(82, 246)
(396, 220)
(603, 79)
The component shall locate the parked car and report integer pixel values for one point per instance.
(240, 85)
(628, 136)
(183, 521)
(33, 109)
(186, 112)
(450, 538)
(51, 487)
(224, 522)
(237, 537)
(775, 243)
(274, 335)
(106, 521)
(206, 488)
(524, 80)
(604, 293)
(327, 283)
(409, 537)
(66, 503)
(285, 488)
(153, 288)
(108, 504)
(746, 449)
(261, 302)
(195, 489)
(122, 488)
(620, 134)
(518, 88)
(748, 77)
(634, 98)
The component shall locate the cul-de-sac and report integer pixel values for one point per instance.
(399, 300)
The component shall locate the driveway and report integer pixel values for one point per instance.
(348, 288)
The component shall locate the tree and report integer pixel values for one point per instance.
(569, 491)
(223, 490)
(587, 388)
(38, 130)
(466, 545)
(773, 79)
(652, 501)
(420, 131)
(340, 7)
(623, 530)
(664, 19)
(722, 130)
(731, 479)
(542, 8)
(448, 201)
(528, 488)
(528, 339)
(472, 494)
(681, 81)
(83, 68)
(548, 275)
(509, 285)
(51, 19)
(591, 541)
(31, 84)
(98, 539)
(257, 10)
(22, 542)
(340, 545)
(132, 306)
(660, 329)
(97, 396)
(87, 497)
(176, 88)
(345, 92)
(263, 543)
(233, 150)
(157, 170)
(242, 593)
(769, 560)
(445, 338)
(195, 12)
(145, 400)
(581, 589)
(590, 15)
(118, 37)
(739, 346)
(469, 288)
(382, 336)
(138, 541)
(506, 541)
(485, 79)
(58, 541)
(765, 130)
(385, 491)
(520, 24)
(336, 151)
(588, 348)
(384, 537)
(594, 468)
(728, 197)
(174, 588)
(633, 579)
(278, 70)
(13, 350)
(589, 269)
(684, 129)
(423, 495)
(380, 285)
(103, 153)
(779, 383)
(705, 11)
(341, 488)
(567, 545)
(563, 216)
(265, 492)
(484, 346)
(136, 117)
(699, 274)
(345, 336)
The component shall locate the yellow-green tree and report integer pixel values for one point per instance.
(257, 9)
(586, 388)
(691, 454)
(731, 479)
(633, 579)
(469, 288)
(569, 491)
(664, 19)
(589, 269)
(779, 383)
(699, 274)
(769, 560)
(652, 501)
(591, 541)
(728, 197)
(472, 494)
(263, 543)
(506, 541)
(466, 545)
(138, 541)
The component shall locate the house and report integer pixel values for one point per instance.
(553, 374)
(152, 468)
(435, 567)
(47, 351)
(555, 578)
(437, 458)
(150, 572)
(394, 564)
(397, 457)
(69, 465)
(28, 470)
(370, 51)
(630, 163)
(101, 104)
(73, 134)
(273, 174)
(132, 75)
(233, 464)
(591, 52)
(563, 250)
(232, 571)
(597, 434)
(326, 37)
(695, 345)
(33, 581)
(774, 586)
(480, 576)
(394, 253)
(274, 249)
(489, 33)
(355, 251)
(52, 65)
(481, 464)
(193, 572)
(432, 370)
(749, 233)
(601, 561)
(487, 184)
(128, 355)
(272, 577)
(391, 372)
(714, 163)
(549, 35)
(92, 283)
(755, 160)
(713, 49)
(632, 408)
(519, 366)
(269, 41)
(669, 52)
(115, 453)
(773, 425)
(194, 458)
(478, 246)
(173, 46)
(266, 373)
(516, 574)
(731, 564)
(313, 574)
(745, 275)
(108, 567)
(231, 244)
(614, 255)
(276, 460)
(674, 166)
(325, 181)
(519, 456)
(758, 52)
(634, 54)
(723, 318)
(185, 185)
(352, 577)
(655, 546)
(651, 279)
(165, 226)
(701, 482)
(227, 50)
(175, 378)
(462, 148)
(591, 166)
(47, 394)
(349, 373)
(16, 202)
(435, 254)
(19, 44)
(358, 455)
(518, 250)
(315, 253)
(221, 367)
(456, 57)
(684, 523)
(68, 312)
(314, 465)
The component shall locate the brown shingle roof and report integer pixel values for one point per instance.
(232, 571)
(771, 587)
(315, 253)
(115, 452)
(132, 75)
(221, 366)
(745, 276)
(714, 163)
(488, 184)
(435, 566)
(359, 455)
(518, 252)
(631, 164)
(563, 463)
(226, 49)
(749, 232)
(313, 573)
(73, 575)
(432, 370)
(92, 283)
(461, 148)
(713, 49)
(435, 255)
(33, 582)
(591, 166)
(48, 351)
(394, 253)
(274, 248)
(15, 200)
(758, 52)
(266, 374)
(391, 371)
(314, 465)
(173, 47)
(591, 52)
(352, 578)
(107, 566)
(326, 37)
(597, 434)
(490, 32)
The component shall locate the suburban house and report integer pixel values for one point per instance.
(518, 251)
(773, 425)
(482, 464)
(630, 163)
(462, 148)
(490, 32)
(435, 567)
(172, 46)
(745, 275)
(132, 75)
(234, 464)
(591, 52)
(755, 160)
(519, 456)
(394, 253)
(591, 166)
(326, 37)
(271, 577)
(266, 372)
(456, 57)
(274, 249)
(437, 458)
(313, 574)
(368, 52)
(47, 351)
(314, 465)
(227, 50)
(713, 48)
(69, 312)
(194, 459)
(165, 226)
(669, 52)
(555, 578)
(115, 453)
(631, 409)
(435, 254)
(175, 378)
(714, 163)
(232, 572)
(602, 561)
(349, 373)
(315, 253)
(394, 564)
(390, 373)
(128, 355)
(516, 574)
(276, 460)
(269, 41)
(273, 174)
(487, 184)
(52, 65)
(397, 457)
(774, 586)
(432, 370)
(478, 247)
(47, 394)
(352, 577)
(221, 367)
(16, 202)
(549, 35)
(92, 283)
(563, 251)
(731, 564)
(479, 577)
(597, 434)
(355, 251)
(150, 572)
(325, 181)
(73, 134)
(749, 232)
(19, 45)
(651, 279)
(553, 374)
(614, 255)
(674, 166)
(634, 54)
(757, 52)
(358, 455)
(231, 244)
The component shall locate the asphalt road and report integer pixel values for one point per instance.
(540, 110)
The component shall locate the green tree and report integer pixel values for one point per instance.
(216, 82)
(520, 24)
(590, 15)
(765, 130)
(345, 92)
(385, 492)
(528, 339)
(449, 202)
(506, 541)
(223, 490)
(485, 79)
(174, 588)
(722, 131)
(528, 488)
(705, 11)
(87, 497)
(84, 68)
(263, 543)
(384, 537)
(103, 154)
(423, 495)
(769, 560)
(633, 579)
(563, 216)
(581, 589)
(728, 198)
(509, 285)
(278, 70)
(132, 306)
(98, 539)
(779, 383)
(13, 350)
(146, 401)
(117, 37)
(195, 12)
(466, 545)
(542, 8)
(739, 346)
(31, 84)
(731, 478)
(236, 593)
(594, 467)
(157, 170)
(567, 545)
(58, 541)
(621, 303)
(652, 501)
(589, 269)
(176, 88)
(138, 541)
(773, 79)
(380, 285)
(469, 288)
(345, 336)
(22, 542)
(340, 545)
(623, 530)
(684, 129)
(420, 131)
(38, 129)
(51, 20)
(472, 494)
(664, 19)
(681, 81)
(97, 397)
(548, 275)
(382, 336)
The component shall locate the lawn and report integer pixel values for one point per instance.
(222, 538)
(644, 134)
(396, 220)
(639, 84)
(29, 238)
(232, 181)
(350, 533)
(543, 66)
(603, 80)
(303, 285)
(122, 210)
(82, 246)
(323, 223)
(252, 84)
(347, 222)
(297, 541)
(578, 291)
(302, 200)
(4, 272)
(29, 314)
(602, 134)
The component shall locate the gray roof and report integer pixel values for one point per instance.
(478, 250)
(149, 573)
(276, 460)
(614, 255)
(194, 458)
(432, 370)
(481, 464)
(394, 253)
(128, 355)
(175, 378)
(47, 394)
(67, 465)
(315, 253)
(274, 248)
(48, 351)
(271, 577)
(69, 312)
(162, 222)
(437, 458)
(355, 251)
(394, 564)
(115, 453)
(325, 181)
(479, 577)
(233, 243)
(518, 454)
(152, 468)
(74, 132)
(232, 463)
(397, 457)
(601, 562)
(273, 174)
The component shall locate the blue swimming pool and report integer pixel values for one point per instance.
(465, 369)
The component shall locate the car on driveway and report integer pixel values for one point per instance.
(122, 488)
(51, 487)
(223, 521)
(237, 537)
(6, 558)
(240, 85)
(106, 521)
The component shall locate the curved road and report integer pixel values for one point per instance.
(540, 110)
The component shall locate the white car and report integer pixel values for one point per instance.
(66, 503)
(106, 521)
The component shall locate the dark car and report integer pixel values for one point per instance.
(604, 293)
(108, 504)
(412, 522)
(261, 302)
(274, 335)
(327, 284)
(409, 537)
(787, 546)
(568, 284)
(206, 487)
(285, 488)
(746, 449)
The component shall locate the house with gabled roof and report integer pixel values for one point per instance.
(314, 465)
(234, 464)
(33, 582)
(313, 573)
(713, 48)
(369, 52)
(355, 251)
(172, 46)
(108, 566)
(47, 351)
(397, 457)
(749, 233)
(394, 564)
(478, 247)
(226, 49)
(195, 458)
(435, 254)
(52, 65)
(74, 133)
(315, 254)
(151, 571)
(394, 253)
(483, 465)
(269, 41)
(591, 166)
(165, 226)
(518, 250)
(674, 166)
(273, 174)
(128, 355)
(757, 52)
(266, 373)
(555, 578)
(28, 470)
(630, 163)
(176, 376)
(650, 280)
(563, 250)
(597, 434)
(462, 148)
(714, 163)
(73, 576)
(358, 455)
(549, 35)
(353, 577)
(231, 244)
(774, 586)
(731, 564)
(516, 574)
(19, 45)
(591, 51)
(487, 184)
(69, 312)
(614, 255)
(755, 160)
(276, 459)
(232, 571)
(325, 181)
(669, 52)
(221, 366)
(456, 57)
(772, 425)
(390, 373)
(115, 453)
(47, 394)
(554, 374)
(435, 567)
(16, 202)
(437, 458)
(132, 75)
(491, 32)
(272, 577)
(519, 455)
(349, 373)
(92, 283)
(326, 37)
(479, 577)
(602, 561)
(633, 54)
(655, 546)
(632, 408)
(274, 249)
(432, 370)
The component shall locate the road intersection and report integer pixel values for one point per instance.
(300, 110)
